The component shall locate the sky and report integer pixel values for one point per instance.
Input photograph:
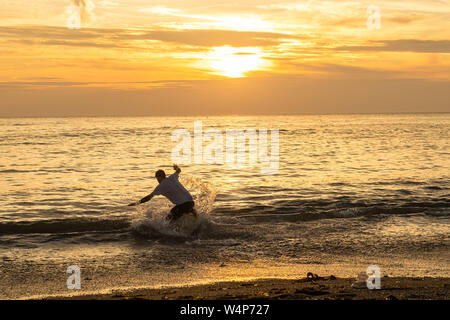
(207, 57)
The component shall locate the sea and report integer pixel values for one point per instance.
(346, 192)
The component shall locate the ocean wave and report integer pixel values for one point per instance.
(202, 192)
(343, 207)
(14, 171)
(64, 226)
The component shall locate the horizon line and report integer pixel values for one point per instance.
(224, 115)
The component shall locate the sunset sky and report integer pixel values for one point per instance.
(185, 57)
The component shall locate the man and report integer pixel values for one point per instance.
(173, 190)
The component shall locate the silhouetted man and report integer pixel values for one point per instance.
(173, 190)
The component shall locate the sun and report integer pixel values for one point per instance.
(235, 62)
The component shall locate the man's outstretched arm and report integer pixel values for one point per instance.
(176, 168)
(144, 199)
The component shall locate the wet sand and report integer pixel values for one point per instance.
(323, 288)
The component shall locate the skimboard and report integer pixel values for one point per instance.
(186, 224)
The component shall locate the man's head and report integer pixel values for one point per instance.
(160, 175)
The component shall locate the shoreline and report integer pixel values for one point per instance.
(324, 288)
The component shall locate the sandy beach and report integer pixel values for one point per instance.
(324, 288)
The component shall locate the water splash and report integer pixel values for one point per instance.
(151, 220)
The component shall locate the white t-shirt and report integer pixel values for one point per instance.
(173, 190)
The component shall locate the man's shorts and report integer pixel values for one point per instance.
(177, 211)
